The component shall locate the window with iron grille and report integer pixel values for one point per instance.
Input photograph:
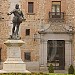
(27, 32)
(56, 54)
(30, 7)
(27, 56)
(56, 9)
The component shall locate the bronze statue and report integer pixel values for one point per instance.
(17, 20)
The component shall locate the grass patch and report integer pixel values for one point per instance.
(34, 74)
(58, 74)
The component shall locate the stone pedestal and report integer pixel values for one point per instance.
(14, 62)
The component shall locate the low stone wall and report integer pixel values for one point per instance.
(32, 66)
(1, 65)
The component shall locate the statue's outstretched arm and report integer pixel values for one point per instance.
(10, 12)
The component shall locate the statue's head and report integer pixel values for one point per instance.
(17, 6)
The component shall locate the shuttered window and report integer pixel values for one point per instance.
(30, 7)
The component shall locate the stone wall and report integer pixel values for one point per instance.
(4, 28)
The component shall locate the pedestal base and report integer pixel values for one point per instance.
(14, 67)
(14, 62)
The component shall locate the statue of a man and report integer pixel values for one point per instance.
(17, 20)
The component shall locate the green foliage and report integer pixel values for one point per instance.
(51, 69)
(20, 74)
(71, 69)
(41, 73)
(34, 74)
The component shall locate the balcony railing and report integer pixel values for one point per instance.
(56, 15)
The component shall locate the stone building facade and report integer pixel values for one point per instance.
(48, 33)
(52, 27)
(4, 28)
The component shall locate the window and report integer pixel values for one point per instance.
(27, 56)
(56, 54)
(27, 32)
(56, 6)
(30, 7)
(0, 54)
(56, 9)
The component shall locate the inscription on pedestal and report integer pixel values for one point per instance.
(13, 52)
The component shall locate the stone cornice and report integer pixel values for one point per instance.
(43, 32)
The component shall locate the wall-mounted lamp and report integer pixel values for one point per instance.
(71, 32)
(1, 16)
(71, 28)
(35, 37)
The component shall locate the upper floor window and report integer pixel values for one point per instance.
(27, 32)
(56, 10)
(30, 7)
(56, 6)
